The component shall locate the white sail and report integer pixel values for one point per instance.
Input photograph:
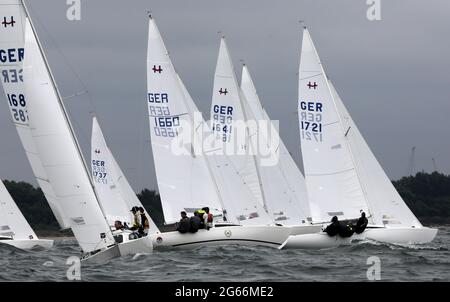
(104, 176)
(115, 193)
(334, 188)
(284, 184)
(386, 205)
(183, 179)
(236, 198)
(59, 151)
(12, 222)
(12, 52)
(227, 114)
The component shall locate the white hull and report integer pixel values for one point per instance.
(272, 236)
(401, 236)
(128, 247)
(136, 246)
(28, 244)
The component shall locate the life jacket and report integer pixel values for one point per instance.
(210, 218)
(199, 213)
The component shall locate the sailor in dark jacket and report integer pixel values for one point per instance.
(333, 228)
(195, 223)
(184, 225)
(361, 224)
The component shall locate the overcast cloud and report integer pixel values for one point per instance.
(393, 74)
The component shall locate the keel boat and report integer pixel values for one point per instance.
(343, 177)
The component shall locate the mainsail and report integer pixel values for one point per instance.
(334, 187)
(12, 50)
(59, 151)
(12, 223)
(183, 179)
(228, 123)
(284, 184)
(115, 193)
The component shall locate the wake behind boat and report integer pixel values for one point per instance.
(343, 177)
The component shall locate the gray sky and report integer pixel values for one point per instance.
(393, 74)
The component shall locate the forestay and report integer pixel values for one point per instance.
(12, 53)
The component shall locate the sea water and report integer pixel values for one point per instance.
(428, 262)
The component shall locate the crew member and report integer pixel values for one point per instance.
(208, 218)
(184, 225)
(200, 214)
(333, 228)
(361, 224)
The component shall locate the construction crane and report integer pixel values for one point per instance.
(434, 165)
(412, 162)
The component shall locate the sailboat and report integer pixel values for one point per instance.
(14, 228)
(60, 155)
(192, 180)
(343, 177)
(12, 45)
(115, 193)
(284, 184)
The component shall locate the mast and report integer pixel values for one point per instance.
(60, 102)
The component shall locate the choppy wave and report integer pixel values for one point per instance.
(430, 262)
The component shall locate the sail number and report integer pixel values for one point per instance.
(164, 124)
(99, 171)
(18, 105)
(10, 78)
(222, 122)
(311, 121)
